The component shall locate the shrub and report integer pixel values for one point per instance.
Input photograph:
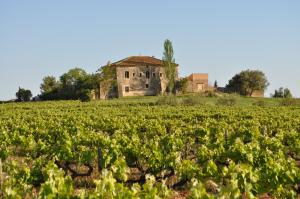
(168, 100)
(259, 103)
(211, 94)
(227, 101)
(289, 102)
(182, 85)
(192, 100)
(85, 95)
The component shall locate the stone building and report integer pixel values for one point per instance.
(139, 76)
(198, 82)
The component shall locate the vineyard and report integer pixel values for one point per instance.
(142, 149)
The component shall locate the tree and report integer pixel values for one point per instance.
(182, 85)
(73, 85)
(278, 93)
(216, 84)
(169, 65)
(282, 93)
(287, 93)
(49, 84)
(23, 95)
(107, 78)
(248, 81)
(73, 78)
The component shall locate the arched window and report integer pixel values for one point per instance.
(126, 74)
(147, 74)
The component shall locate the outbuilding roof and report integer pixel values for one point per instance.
(198, 76)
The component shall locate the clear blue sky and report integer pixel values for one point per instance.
(39, 38)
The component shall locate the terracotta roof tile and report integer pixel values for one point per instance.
(138, 60)
(195, 76)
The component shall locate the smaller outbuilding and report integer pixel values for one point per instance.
(198, 82)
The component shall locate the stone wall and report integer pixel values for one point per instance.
(198, 82)
(137, 83)
(258, 94)
(194, 86)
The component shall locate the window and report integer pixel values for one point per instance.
(126, 74)
(140, 74)
(133, 74)
(160, 74)
(126, 89)
(147, 85)
(147, 74)
(153, 74)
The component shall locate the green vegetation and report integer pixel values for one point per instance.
(76, 84)
(23, 95)
(107, 79)
(182, 85)
(282, 93)
(147, 147)
(216, 84)
(169, 64)
(49, 85)
(248, 81)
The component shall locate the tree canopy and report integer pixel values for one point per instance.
(23, 95)
(282, 93)
(73, 78)
(216, 84)
(182, 85)
(49, 84)
(248, 81)
(169, 64)
(107, 78)
(72, 85)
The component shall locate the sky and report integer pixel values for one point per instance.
(221, 38)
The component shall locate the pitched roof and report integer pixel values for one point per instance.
(197, 76)
(138, 60)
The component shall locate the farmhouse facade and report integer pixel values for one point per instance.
(139, 76)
